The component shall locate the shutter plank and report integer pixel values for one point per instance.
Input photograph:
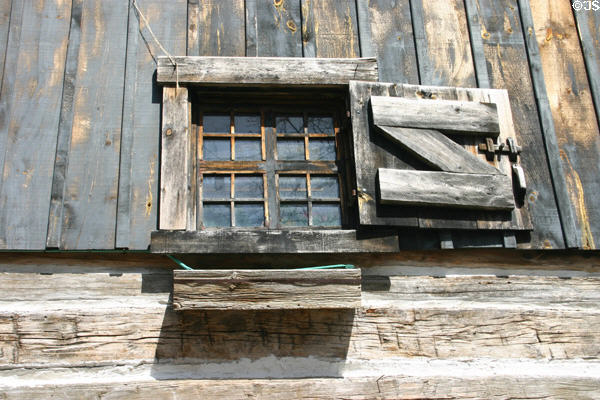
(443, 189)
(450, 115)
(438, 150)
(174, 167)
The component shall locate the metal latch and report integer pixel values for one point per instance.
(490, 148)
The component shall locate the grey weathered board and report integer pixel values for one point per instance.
(5, 7)
(65, 127)
(438, 150)
(330, 29)
(283, 71)
(30, 125)
(466, 117)
(392, 39)
(571, 233)
(175, 154)
(216, 28)
(91, 184)
(273, 29)
(266, 289)
(272, 241)
(505, 55)
(445, 189)
(139, 167)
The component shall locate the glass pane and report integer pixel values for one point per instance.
(324, 187)
(290, 149)
(217, 215)
(326, 215)
(292, 187)
(249, 186)
(249, 214)
(289, 124)
(216, 187)
(322, 149)
(247, 123)
(216, 123)
(320, 124)
(247, 150)
(216, 149)
(293, 214)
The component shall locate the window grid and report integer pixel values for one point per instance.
(271, 164)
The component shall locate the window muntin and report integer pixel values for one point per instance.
(294, 155)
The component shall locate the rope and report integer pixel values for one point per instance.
(171, 58)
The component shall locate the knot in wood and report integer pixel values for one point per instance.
(169, 132)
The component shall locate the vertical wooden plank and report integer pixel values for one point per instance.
(588, 26)
(572, 109)
(174, 160)
(481, 73)
(443, 46)
(65, 127)
(273, 28)
(139, 166)
(363, 19)
(5, 7)
(393, 41)
(329, 29)
(91, 186)
(216, 28)
(31, 126)
(566, 210)
(508, 68)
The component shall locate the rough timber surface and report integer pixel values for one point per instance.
(505, 55)
(91, 183)
(273, 28)
(139, 166)
(5, 7)
(266, 289)
(29, 128)
(283, 71)
(216, 28)
(444, 189)
(572, 108)
(271, 241)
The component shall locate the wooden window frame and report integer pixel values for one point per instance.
(177, 222)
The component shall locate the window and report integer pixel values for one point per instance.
(268, 165)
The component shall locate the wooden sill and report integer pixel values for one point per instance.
(266, 289)
(231, 241)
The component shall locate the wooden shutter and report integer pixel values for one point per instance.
(419, 162)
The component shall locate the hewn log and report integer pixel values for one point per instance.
(266, 289)
(467, 117)
(285, 71)
(444, 189)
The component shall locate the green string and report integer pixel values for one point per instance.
(181, 264)
(346, 266)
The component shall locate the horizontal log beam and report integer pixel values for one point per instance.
(270, 241)
(266, 289)
(270, 71)
(466, 117)
(444, 189)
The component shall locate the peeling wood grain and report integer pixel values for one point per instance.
(139, 165)
(330, 29)
(31, 126)
(508, 68)
(274, 71)
(217, 28)
(266, 289)
(393, 41)
(442, 43)
(573, 111)
(91, 185)
(588, 26)
(5, 11)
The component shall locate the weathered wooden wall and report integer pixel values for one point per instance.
(520, 325)
(80, 110)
